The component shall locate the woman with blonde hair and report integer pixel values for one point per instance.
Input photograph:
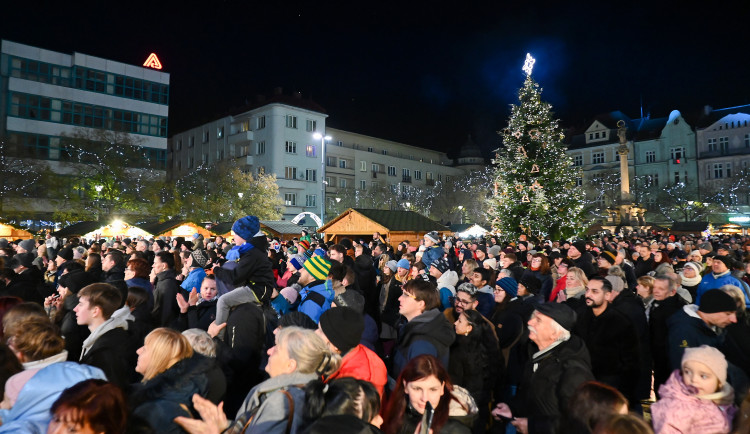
(575, 288)
(171, 376)
(277, 404)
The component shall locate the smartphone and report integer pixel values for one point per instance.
(427, 419)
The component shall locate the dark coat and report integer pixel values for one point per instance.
(660, 311)
(166, 308)
(643, 266)
(428, 333)
(613, 346)
(390, 314)
(686, 331)
(199, 316)
(366, 278)
(254, 269)
(469, 367)
(161, 399)
(28, 286)
(586, 263)
(632, 307)
(545, 391)
(73, 333)
(113, 353)
(412, 419)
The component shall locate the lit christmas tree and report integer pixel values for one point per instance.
(534, 191)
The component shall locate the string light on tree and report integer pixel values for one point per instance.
(528, 65)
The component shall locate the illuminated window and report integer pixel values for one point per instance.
(310, 150)
(220, 132)
(677, 153)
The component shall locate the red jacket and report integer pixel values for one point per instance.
(363, 364)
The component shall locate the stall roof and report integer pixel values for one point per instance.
(159, 228)
(86, 227)
(394, 221)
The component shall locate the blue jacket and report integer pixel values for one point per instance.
(194, 279)
(31, 413)
(316, 298)
(429, 255)
(710, 281)
(687, 330)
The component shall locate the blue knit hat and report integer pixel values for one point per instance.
(297, 261)
(403, 263)
(247, 227)
(509, 285)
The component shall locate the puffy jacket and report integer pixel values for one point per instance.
(429, 333)
(431, 254)
(363, 364)
(253, 269)
(194, 279)
(711, 281)
(447, 286)
(316, 298)
(680, 411)
(688, 330)
(31, 414)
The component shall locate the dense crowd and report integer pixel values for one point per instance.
(620, 334)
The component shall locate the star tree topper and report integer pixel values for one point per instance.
(528, 66)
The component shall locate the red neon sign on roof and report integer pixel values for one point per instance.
(152, 62)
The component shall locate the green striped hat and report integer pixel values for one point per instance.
(318, 267)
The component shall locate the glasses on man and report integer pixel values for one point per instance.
(412, 296)
(461, 301)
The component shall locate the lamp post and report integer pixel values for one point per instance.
(98, 189)
(461, 214)
(323, 139)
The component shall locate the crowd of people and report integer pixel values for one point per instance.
(251, 334)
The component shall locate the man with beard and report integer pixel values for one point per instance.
(610, 338)
(582, 259)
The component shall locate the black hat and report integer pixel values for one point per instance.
(560, 312)
(343, 327)
(441, 264)
(531, 283)
(22, 259)
(200, 258)
(716, 300)
(76, 280)
(580, 245)
(351, 299)
(729, 262)
(608, 256)
(66, 253)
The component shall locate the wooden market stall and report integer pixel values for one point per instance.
(176, 228)
(468, 230)
(99, 229)
(394, 226)
(283, 229)
(10, 232)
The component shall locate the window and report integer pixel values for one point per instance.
(342, 183)
(578, 160)
(369, 149)
(260, 122)
(650, 156)
(677, 153)
(440, 177)
(245, 125)
(310, 150)
(363, 166)
(428, 176)
(418, 175)
(311, 125)
(363, 185)
(331, 161)
(391, 170)
(339, 143)
(290, 199)
(447, 179)
(310, 200)
(711, 144)
(220, 154)
(205, 136)
(290, 147)
(290, 172)
(179, 144)
(291, 121)
(191, 141)
(747, 140)
(384, 152)
(260, 148)
(718, 170)
(405, 175)
(310, 175)
(342, 164)
(597, 158)
(220, 132)
(677, 177)
(723, 144)
(330, 181)
(191, 162)
(205, 159)
(579, 181)
(596, 135)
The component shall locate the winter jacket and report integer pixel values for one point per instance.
(199, 316)
(680, 411)
(253, 269)
(643, 266)
(194, 279)
(412, 419)
(712, 281)
(613, 346)
(27, 285)
(366, 284)
(112, 352)
(688, 330)
(73, 333)
(486, 298)
(447, 286)
(166, 396)
(586, 263)
(165, 309)
(363, 364)
(469, 367)
(316, 298)
(546, 282)
(389, 305)
(660, 312)
(631, 306)
(548, 382)
(31, 412)
(431, 254)
(270, 406)
(429, 333)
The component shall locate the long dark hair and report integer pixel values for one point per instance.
(418, 368)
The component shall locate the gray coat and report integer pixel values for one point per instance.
(273, 406)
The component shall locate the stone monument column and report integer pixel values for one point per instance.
(623, 151)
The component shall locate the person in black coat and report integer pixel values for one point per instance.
(366, 282)
(165, 309)
(582, 258)
(198, 312)
(28, 280)
(205, 347)
(108, 347)
(666, 303)
(65, 318)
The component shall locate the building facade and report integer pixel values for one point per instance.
(46, 96)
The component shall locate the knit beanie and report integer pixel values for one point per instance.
(200, 258)
(76, 280)
(441, 264)
(319, 252)
(247, 227)
(531, 283)
(393, 265)
(709, 356)
(432, 236)
(716, 300)
(403, 263)
(297, 261)
(66, 253)
(580, 246)
(351, 299)
(28, 245)
(509, 285)
(491, 262)
(22, 259)
(318, 267)
(494, 251)
(290, 294)
(343, 327)
(608, 256)
(694, 266)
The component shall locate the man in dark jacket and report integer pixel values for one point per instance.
(645, 261)
(107, 346)
(558, 364)
(27, 282)
(113, 266)
(582, 259)
(665, 304)
(366, 281)
(610, 338)
(427, 331)
(166, 289)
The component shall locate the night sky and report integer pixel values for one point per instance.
(421, 73)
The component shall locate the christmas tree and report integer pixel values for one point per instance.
(534, 190)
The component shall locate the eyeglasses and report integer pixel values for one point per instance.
(413, 297)
(536, 260)
(464, 302)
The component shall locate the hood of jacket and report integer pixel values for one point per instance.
(431, 323)
(178, 383)
(449, 279)
(253, 399)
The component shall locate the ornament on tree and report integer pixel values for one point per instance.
(522, 150)
(535, 134)
(536, 186)
(519, 187)
(535, 168)
(525, 198)
(517, 134)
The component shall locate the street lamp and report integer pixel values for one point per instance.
(323, 139)
(98, 189)
(461, 214)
